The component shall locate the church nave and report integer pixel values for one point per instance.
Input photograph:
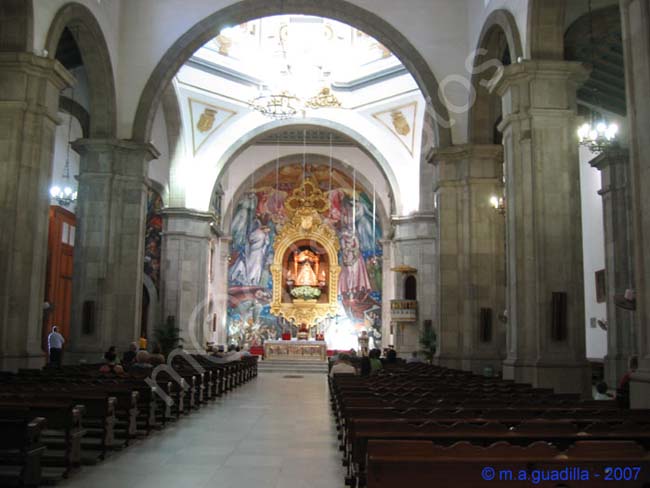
(271, 432)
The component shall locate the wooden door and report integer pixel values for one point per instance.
(58, 287)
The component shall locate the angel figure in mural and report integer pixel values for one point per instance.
(247, 269)
(258, 244)
(364, 225)
(354, 275)
(243, 220)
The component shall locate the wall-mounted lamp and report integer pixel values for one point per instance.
(498, 204)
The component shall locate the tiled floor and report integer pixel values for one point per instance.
(270, 433)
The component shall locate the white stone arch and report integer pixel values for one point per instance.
(196, 178)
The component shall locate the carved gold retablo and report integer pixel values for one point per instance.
(306, 269)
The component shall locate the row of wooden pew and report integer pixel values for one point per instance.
(56, 420)
(425, 426)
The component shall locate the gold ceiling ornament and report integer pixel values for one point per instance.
(400, 123)
(206, 120)
(323, 99)
(305, 227)
(307, 196)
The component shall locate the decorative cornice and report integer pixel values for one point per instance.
(103, 145)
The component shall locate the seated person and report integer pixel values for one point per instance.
(110, 366)
(391, 356)
(110, 352)
(156, 357)
(343, 365)
(142, 363)
(623, 390)
(601, 392)
(128, 358)
(375, 361)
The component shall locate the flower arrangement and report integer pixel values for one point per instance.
(305, 292)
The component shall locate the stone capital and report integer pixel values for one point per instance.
(610, 157)
(528, 71)
(86, 146)
(191, 223)
(38, 66)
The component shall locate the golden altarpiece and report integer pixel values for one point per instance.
(305, 268)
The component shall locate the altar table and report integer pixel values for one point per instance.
(295, 350)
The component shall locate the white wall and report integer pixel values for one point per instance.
(593, 243)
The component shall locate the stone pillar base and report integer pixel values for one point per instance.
(640, 390)
(563, 378)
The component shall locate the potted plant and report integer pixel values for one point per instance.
(168, 336)
(429, 343)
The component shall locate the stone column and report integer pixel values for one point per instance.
(471, 256)
(414, 245)
(635, 16)
(109, 247)
(29, 101)
(613, 165)
(221, 288)
(184, 274)
(543, 225)
(387, 291)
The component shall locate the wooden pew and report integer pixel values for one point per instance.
(21, 450)
(464, 465)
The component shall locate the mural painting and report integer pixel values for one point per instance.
(152, 237)
(257, 218)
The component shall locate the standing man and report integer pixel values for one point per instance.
(55, 346)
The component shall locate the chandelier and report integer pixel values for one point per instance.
(65, 196)
(498, 204)
(281, 105)
(600, 138)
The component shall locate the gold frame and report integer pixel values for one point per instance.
(304, 208)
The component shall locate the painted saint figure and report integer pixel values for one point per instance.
(354, 276)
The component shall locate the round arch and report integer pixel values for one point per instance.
(17, 26)
(96, 59)
(231, 153)
(383, 214)
(499, 33)
(245, 10)
(546, 29)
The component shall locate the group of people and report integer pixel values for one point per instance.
(133, 361)
(234, 353)
(367, 365)
(622, 396)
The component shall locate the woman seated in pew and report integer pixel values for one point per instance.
(375, 361)
(111, 366)
(343, 366)
(128, 358)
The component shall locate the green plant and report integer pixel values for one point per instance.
(428, 343)
(168, 335)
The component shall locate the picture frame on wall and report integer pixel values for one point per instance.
(601, 286)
